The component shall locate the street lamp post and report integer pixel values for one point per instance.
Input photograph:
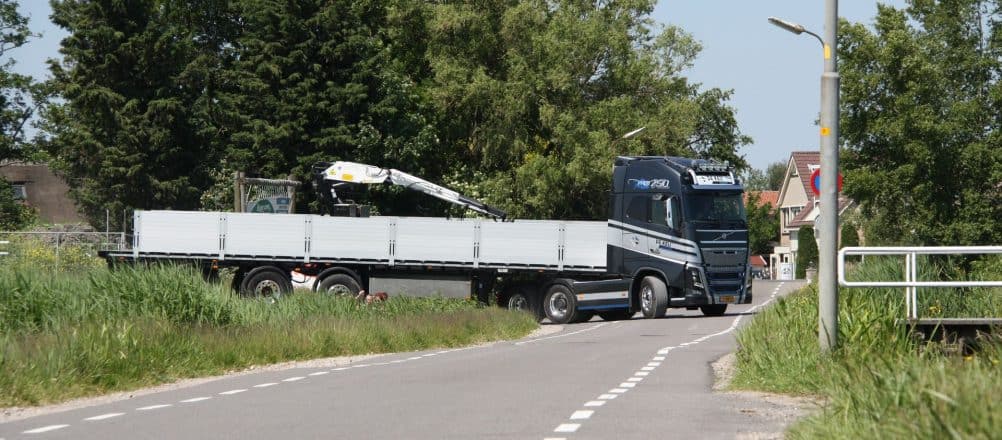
(828, 218)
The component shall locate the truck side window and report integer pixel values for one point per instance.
(637, 209)
(659, 211)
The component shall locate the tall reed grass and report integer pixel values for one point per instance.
(881, 382)
(71, 334)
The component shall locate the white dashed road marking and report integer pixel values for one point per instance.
(293, 379)
(568, 427)
(265, 385)
(152, 407)
(44, 429)
(103, 416)
(644, 371)
(318, 373)
(195, 399)
(231, 392)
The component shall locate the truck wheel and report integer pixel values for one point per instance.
(266, 282)
(339, 284)
(713, 310)
(520, 300)
(653, 297)
(560, 304)
(616, 315)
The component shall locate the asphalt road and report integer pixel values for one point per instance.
(633, 379)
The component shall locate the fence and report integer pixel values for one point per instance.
(911, 283)
(105, 241)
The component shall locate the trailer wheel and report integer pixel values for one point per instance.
(339, 284)
(266, 282)
(713, 310)
(616, 315)
(653, 297)
(560, 304)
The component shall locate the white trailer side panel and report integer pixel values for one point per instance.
(178, 232)
(434, 240)
(532, 243)
(585, 244)
(351, 238)
(277, 235)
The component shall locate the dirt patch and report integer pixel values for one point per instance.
(771, 413)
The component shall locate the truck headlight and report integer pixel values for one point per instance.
(695, 279)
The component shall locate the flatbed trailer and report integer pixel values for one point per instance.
(676, 236)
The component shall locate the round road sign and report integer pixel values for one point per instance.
(816, 182)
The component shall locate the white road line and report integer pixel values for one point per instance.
(429, 354)
(265, 385)
(568, 427)
(341, 369)
(319, 373)
(581, 415)
(607, 396)
(654, 364)
(627, 384)
(595, 403)
(414, 358)
(152, 407)
(635, 379)
(618, 390)
(565, 334)
(232, 392)
(103, 416)
(648, 368)
(398, 361)
(642, 373)
(47, 429)
(195, 399)
(659, 358)
(293, 379)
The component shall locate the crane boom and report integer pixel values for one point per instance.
(351, 172)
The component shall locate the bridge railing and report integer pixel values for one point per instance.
(911, 282)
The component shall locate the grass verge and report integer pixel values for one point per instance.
(881, 382)
(69, 335)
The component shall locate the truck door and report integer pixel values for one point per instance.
(635, 244)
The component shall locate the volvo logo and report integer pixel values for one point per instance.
(723, 236)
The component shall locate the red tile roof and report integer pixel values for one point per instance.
(757, 261)
(802, 160)
(770, 197)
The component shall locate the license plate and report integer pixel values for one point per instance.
(728, 298)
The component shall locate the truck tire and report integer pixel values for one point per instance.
(616, 315)
(713, 310)
(266, 282)
(653, 297)
(560, 304)
(583, 316)
(520, 299)
(339, 284)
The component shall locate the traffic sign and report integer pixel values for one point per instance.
(816, 182)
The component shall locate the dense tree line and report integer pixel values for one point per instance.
(922, 122)
(515, 102)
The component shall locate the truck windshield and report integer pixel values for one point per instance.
(715, 207)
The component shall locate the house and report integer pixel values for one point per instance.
(40, 188)
(798, 206)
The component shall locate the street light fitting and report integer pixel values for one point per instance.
(633, 133)
(792, 27)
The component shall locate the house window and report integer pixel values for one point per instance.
(19, 191)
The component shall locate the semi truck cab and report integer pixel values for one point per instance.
(681, 222)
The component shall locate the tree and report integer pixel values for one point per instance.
(763, 225)
(922, 122)
(533, 94)
(849, 237)
(133, 130)
(774, 174)
(807, 251)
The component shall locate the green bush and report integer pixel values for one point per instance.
(807, 251)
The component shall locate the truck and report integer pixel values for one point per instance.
(676, 236)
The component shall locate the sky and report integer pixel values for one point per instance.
(775, 75)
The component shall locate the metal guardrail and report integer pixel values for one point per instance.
(911, 283)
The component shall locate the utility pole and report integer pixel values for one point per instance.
(828, 252)
(827, 222)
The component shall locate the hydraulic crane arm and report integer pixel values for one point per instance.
(350, 172)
